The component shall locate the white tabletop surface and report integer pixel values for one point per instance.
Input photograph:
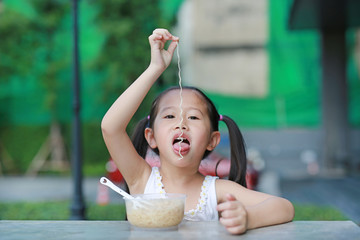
(187, 230)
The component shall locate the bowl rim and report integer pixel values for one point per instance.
(157, 196)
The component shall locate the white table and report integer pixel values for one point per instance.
(54, 230)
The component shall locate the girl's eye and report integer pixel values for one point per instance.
(169, 116)
(193, 118)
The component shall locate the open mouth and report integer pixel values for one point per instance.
(181, 145)
(181, 140)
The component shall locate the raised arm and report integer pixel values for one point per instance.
(133, 168)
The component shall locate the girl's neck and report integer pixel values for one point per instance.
(182, 180)
(178, 176)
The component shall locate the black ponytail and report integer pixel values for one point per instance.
(238, 153)
(138, 137)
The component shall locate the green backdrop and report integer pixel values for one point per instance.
(294, 98)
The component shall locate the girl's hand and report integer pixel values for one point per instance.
(233, 215)
(161, 57)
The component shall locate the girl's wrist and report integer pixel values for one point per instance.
(156, 69)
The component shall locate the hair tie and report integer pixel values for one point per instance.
(147, 122)
(221, 117)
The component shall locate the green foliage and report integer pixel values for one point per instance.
(35, 70)
(23, 142)
(17, 45)
(126, 51)
(317, 213)
(46, 26)
(58, 211)
(95, 150)
(36, 53)
(107, 212)
(29, 49)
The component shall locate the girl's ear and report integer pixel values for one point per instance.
(149, 136)
(214, 140)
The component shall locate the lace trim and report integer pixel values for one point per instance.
(203, 198)
(203, 195)
(158, 182)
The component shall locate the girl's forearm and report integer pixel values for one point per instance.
(123, 109)
(272, 211)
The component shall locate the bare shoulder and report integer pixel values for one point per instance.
(246, 196)
(224, 186)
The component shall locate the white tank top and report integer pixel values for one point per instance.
(206, 207)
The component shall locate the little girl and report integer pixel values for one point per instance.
(182, 137)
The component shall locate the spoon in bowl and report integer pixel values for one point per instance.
(138, 202)
(111, 185)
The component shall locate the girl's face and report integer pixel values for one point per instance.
(197, 135)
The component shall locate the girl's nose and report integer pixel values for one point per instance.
(181, 125)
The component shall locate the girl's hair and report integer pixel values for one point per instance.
(237, 144)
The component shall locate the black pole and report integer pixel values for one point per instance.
(334, 98)
(335, 89)
(78, 206)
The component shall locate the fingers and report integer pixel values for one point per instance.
(230, 197)
(233, 215)
(234, 225)
(161, 33)
(160, 36)
(172, 47)
(237, 228)
(160, 57)
(229, 203)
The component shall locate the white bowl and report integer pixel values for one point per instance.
(155, 210)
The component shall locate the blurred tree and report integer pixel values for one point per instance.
(46, 25)
(126, 52)
(17, 46)
(15, 30)
(35, 59)
(28, 46)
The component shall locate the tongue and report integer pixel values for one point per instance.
(184, 147)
